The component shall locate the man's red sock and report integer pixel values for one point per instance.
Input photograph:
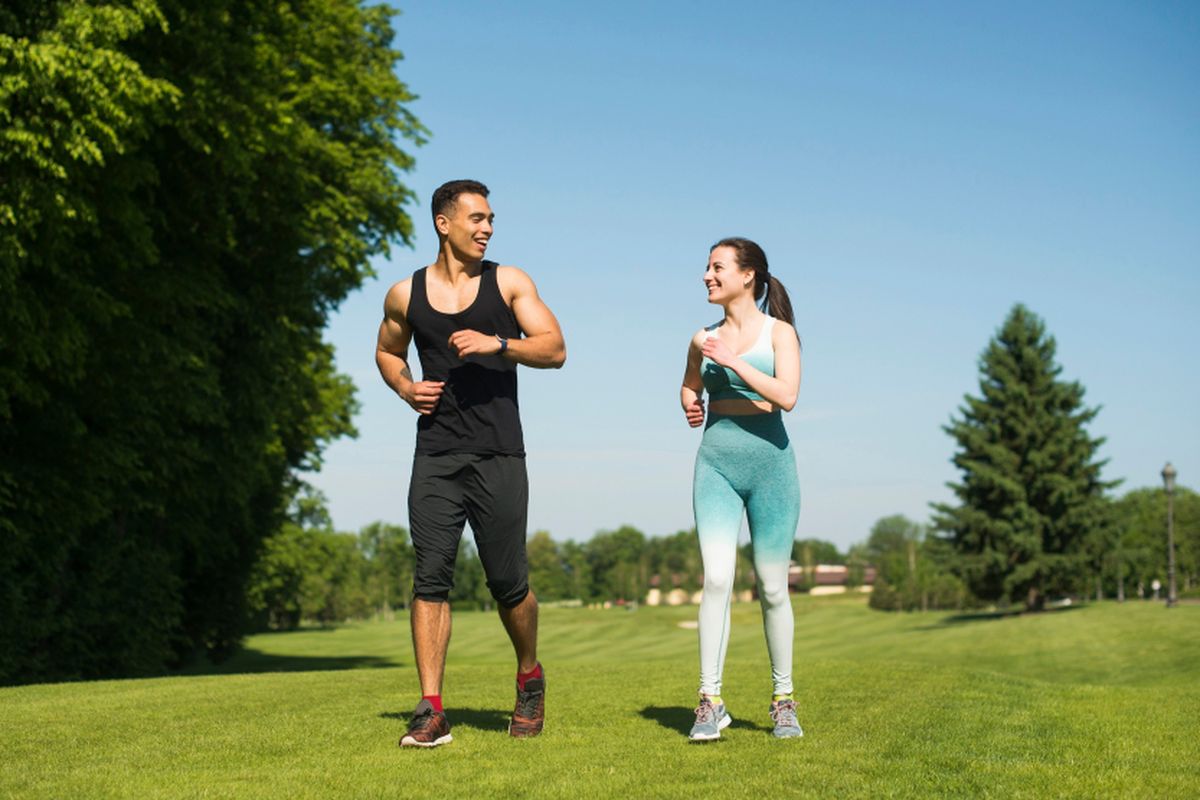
(435, 700)
(536, 672)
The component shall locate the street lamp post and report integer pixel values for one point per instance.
(1168, 476)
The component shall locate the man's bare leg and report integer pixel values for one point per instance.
(521, 622)
(431, 638)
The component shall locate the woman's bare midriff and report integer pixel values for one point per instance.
(734, 408)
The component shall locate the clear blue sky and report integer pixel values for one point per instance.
(912, 170)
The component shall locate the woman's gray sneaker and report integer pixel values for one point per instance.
(710, 720)
(784, 714)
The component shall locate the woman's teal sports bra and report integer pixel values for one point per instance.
(723, 383)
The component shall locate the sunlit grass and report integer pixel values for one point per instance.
(1095, 701)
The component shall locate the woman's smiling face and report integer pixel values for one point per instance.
(723, 278)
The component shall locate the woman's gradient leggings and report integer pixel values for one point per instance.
(745, 463)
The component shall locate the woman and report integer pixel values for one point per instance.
(750, 364)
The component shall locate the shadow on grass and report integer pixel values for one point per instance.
(483, 719)
(680, 719)
(254, 661)
(987, 616)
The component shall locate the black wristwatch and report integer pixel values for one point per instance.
(503, 342)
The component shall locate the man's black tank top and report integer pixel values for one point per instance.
(477, 412)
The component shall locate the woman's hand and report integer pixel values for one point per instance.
(695, 412)
(715, 350)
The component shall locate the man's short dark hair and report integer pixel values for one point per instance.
(445, 196)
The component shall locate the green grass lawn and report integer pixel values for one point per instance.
(1097, 701)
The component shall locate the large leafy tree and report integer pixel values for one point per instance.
(1031, 495)
(190, 187)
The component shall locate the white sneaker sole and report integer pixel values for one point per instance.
(409, 741)
(722, 725)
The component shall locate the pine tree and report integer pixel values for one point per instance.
(1031, 494)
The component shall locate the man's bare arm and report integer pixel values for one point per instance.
(391, 353)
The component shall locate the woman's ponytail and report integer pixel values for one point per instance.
(779, 305)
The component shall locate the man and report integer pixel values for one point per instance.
(473, 322)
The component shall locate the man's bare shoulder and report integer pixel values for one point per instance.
(513, 281)
(395, 303)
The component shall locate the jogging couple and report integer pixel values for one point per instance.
(473, 321)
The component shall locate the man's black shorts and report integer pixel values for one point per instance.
(489, 491)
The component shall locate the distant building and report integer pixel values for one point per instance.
(827, 579)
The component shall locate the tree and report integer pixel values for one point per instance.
(548, 573)
(578, 569)
(470, 581)
(676, 560)
(618, 568)
(1140, 523)
(308, 572)
(189, 189)
(1031, 491)
(857, 561)
(912, 568)
(820, 552)
(389, 563)
(892, 547)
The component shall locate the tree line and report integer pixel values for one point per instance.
(312, 574)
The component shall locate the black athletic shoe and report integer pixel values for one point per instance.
(427, 728)
(530, 712)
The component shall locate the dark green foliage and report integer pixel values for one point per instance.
(675, 559)
(307, 574)
(618, 564)
(310, 573)
(470, 581)
(857, 562)
(388, 568)
(912, 568)
(189, 188)
(1139, 556)
(1031, 493)
(816, 551)
(579, 571)
(548, 573)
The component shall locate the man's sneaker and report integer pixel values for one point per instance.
(530, 712)
(427, 728)
(710, 721)
(784, 714)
